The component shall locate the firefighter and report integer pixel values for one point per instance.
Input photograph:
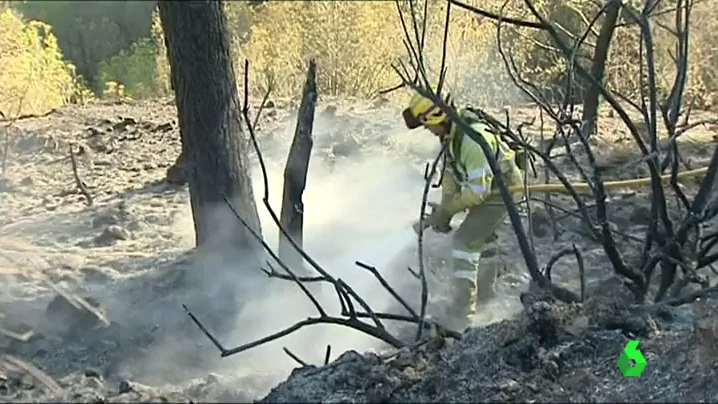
(467, 185)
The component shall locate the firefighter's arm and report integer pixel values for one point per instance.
(449, 186)
(478, 182)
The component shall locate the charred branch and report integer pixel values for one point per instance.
(598, 65)
(81, 186)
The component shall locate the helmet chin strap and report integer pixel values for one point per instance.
(447, 127)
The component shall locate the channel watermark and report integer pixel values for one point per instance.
(631, 362)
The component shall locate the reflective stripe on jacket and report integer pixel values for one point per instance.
(467, 174)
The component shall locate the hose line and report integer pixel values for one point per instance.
(583, 187)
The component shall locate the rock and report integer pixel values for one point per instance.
(165, 127)
(98, 142)
(70, 318)
(541, 320)
(102, 163)
(177, 173)
(126, 386)
(403, 359)
(93, 373)
(123, 124)
(540, 223)
(509, 386)
(105, 219)
(111, 235)
(137, 391)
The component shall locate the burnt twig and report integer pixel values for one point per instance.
(327, 355)
(579, 262)
(80, 184)
(204, 330)
(388, 287)
(295, 357)
(420, 241)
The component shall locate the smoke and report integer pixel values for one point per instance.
(363, 193)
(358, 207)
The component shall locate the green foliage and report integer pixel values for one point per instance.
(90, 32)
(142, 71)
(161, 63)
(354, 43)
(135, 68)
(33, 74)
(115, 90)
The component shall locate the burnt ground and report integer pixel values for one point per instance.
(130, 255)
(552, 353)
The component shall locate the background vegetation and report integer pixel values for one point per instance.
(55, 52)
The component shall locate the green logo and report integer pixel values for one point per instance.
(631, 353)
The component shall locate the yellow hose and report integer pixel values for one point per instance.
(582, 187)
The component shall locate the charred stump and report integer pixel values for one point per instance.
(295, 173)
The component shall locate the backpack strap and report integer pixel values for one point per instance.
(453, 153)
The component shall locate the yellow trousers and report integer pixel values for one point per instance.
(468, 241)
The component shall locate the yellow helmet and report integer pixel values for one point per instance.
(423, 111)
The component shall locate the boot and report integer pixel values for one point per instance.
(462, 306)
(487, 283)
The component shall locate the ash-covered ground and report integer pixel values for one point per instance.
(130, 255)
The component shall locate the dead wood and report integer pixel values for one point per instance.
(295, 172)
(15, 330)
(80, 304)
(78, 181)
(3, 118)
(13, 363)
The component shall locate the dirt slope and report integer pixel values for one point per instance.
(130, 252)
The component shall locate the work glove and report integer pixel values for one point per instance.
(439, 221)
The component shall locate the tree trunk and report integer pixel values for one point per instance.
(598, 66)
(202, 75)
(295, 173)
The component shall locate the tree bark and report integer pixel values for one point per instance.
(295, 173)
(598, 66)
(209, 117)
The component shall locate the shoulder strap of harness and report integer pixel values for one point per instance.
(456, 151)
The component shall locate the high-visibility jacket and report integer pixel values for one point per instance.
(467, 175)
